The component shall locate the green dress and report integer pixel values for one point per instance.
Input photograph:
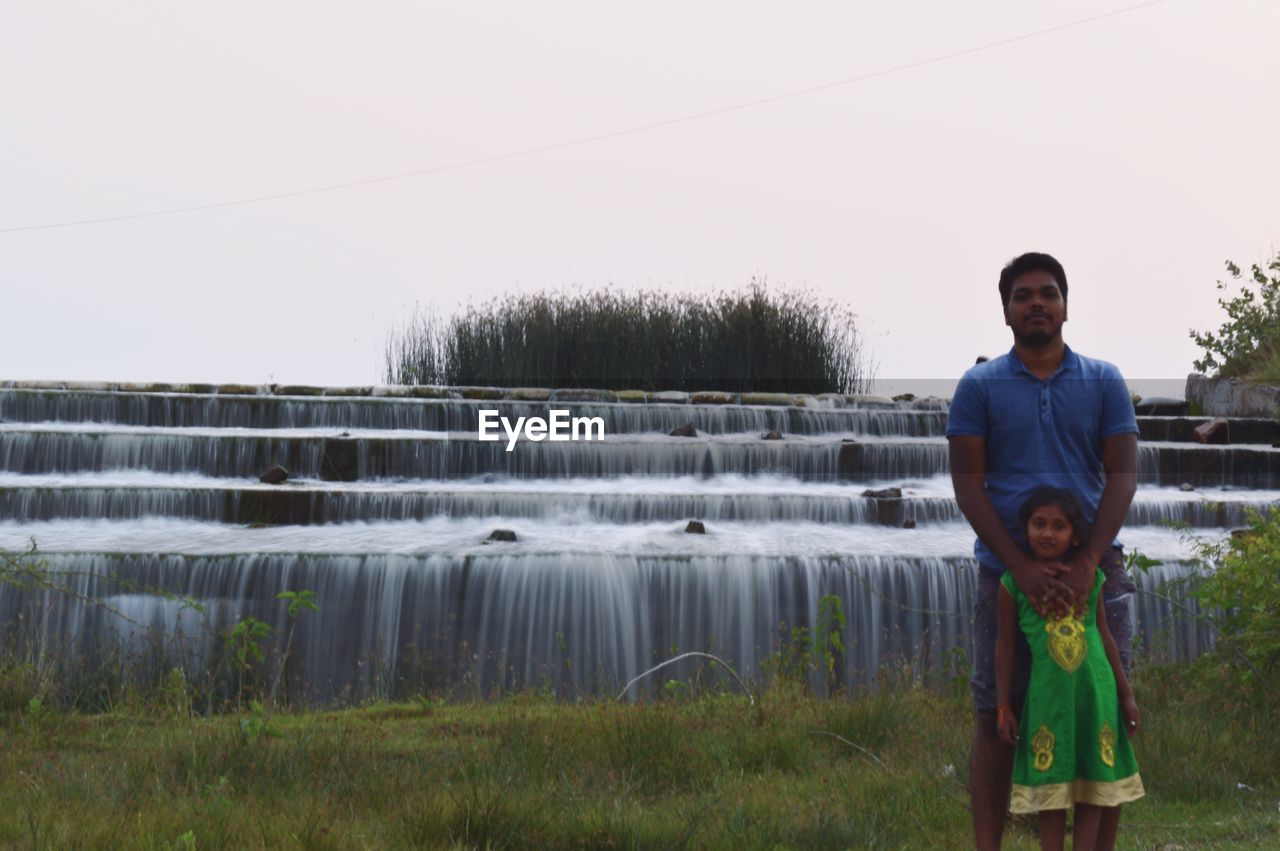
(1072, 746)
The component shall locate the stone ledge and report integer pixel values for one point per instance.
(481, 394)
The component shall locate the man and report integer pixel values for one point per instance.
(1039, 415)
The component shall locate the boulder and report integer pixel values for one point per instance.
(686, 430)
(574, 394)
(910, 524)
(1217, 431)
(502, 535)
(274, 475)
(782, 399)
(887, 493)
(772, 435)
(529, 394)
(849, 461)
(428, 391)
(1161, 406)
(695, 527)
(905, 397)
(864, 400)
(483, 394)
(1227, 397)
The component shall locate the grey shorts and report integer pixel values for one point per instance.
(1117, 596)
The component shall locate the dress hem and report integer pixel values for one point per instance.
(1061, 796)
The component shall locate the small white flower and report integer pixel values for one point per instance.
(948, 770)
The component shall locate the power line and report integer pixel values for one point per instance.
(599, 137)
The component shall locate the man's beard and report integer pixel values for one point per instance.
(1037, 339)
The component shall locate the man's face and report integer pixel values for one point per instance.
(1036, 309)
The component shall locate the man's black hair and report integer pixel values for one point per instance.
(1032, 261)
(1062, 498)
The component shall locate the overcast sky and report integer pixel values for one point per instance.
(1141, 149)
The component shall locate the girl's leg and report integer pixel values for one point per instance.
(1053, 829)
(1108, 827)
(1084, 830)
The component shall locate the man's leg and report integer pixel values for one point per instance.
(991, 760)
(990, 774)
(1117, 599)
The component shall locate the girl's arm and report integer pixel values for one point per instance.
(1128, 706)
(1006, 623)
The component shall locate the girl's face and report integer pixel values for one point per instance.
(1049, 533)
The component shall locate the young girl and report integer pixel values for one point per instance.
(1073, 739)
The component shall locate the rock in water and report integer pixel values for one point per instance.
(686, 430)
(1216, 431)
(772, 435)
(695, 527)
(910, 524)
(887, 493)
(275, 475)
(502, 535)
(849, 461)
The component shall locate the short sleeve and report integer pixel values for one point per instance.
(967, 415)
(1117, 406)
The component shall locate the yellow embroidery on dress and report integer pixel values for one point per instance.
(1066, 642)
(1042, 746)
(1107, 743)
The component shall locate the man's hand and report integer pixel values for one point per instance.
(1007, 727)
(1079, 576)
(1042, 583)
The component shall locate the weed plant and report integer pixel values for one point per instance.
(1247, 345)
(756, 339)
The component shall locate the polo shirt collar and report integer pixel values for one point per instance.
(1070, 361)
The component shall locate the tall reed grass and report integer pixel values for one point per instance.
(756, 339)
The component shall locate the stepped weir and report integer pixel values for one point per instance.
(144, 502)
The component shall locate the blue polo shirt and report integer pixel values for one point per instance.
(1040, 432)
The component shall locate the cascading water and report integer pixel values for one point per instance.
(148, 502)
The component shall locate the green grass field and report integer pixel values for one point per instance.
(529, 772)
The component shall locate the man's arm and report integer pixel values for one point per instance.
(1037, 580)
(1120, 462)
(1006, 624)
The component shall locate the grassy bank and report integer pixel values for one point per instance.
(715, 772)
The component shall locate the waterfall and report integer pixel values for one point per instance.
(150, 522)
